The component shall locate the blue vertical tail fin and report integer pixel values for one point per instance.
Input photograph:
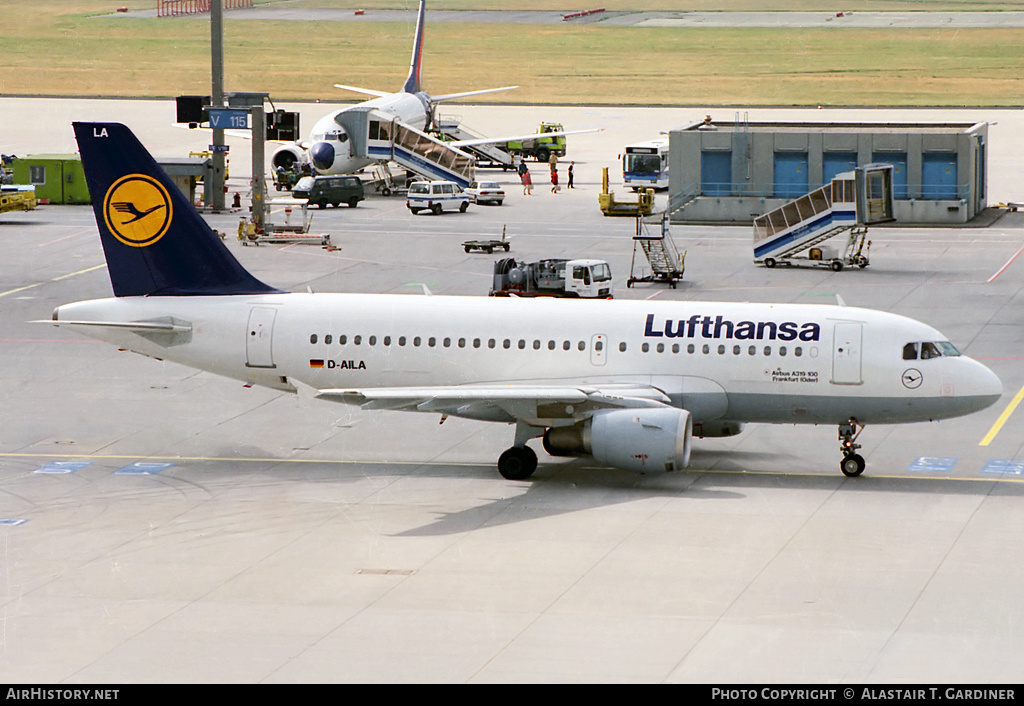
(154, 240)
(412, 84)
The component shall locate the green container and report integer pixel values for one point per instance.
(58, 178)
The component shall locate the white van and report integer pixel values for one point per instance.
(436, 196)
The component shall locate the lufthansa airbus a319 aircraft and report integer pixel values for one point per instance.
(626, 382)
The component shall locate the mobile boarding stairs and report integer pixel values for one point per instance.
(487, 154)
(848, 204)
(378, 136)
(667, 263)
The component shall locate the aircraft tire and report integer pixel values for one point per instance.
(852, 465)
(517, 463)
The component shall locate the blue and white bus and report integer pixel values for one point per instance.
(645, 165)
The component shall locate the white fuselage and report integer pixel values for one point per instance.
(330, 147)
(721, 361)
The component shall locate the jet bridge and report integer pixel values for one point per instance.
(379, 136)
(850, 203)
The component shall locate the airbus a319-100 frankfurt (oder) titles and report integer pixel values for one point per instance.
(626, 382)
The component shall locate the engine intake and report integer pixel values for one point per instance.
(287, 155)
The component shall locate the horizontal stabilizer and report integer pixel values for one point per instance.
(147, 326)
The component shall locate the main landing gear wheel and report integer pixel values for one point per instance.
(852, 464)
(517, 463)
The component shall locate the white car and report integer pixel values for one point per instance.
(485, 192)
(436, 196)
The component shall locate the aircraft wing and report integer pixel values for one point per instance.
(530, 403)
(509, 138)
(467, 94)
(364, 91)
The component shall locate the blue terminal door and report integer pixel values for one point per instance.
(790, 174)
(939, 176)
(716, 172)
(833, 163)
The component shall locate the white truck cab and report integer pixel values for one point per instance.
(588, 279)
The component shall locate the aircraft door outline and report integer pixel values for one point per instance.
(259, 338)
(598, 349)
(846, 353)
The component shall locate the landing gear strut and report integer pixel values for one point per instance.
(852, 464)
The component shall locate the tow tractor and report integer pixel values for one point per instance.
(539, 148)
(583, 279)
(15, 198)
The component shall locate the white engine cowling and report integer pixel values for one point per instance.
(646, 439)
(287, 155)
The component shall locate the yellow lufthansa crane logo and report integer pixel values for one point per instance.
(137, 210)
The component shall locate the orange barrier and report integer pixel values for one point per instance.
(177, 8)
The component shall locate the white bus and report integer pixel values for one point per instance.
(645, 165)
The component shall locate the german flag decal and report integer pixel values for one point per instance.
(316, 363)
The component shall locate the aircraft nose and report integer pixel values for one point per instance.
(991, 383)
(322, 154)
(985, 385)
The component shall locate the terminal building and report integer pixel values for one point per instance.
(732, 172)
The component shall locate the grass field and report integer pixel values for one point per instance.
(67, 47)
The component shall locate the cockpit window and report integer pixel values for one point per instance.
(929, 349)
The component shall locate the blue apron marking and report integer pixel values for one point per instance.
(932, 463)
(142, 469)
(1004, 465)
(63, 467)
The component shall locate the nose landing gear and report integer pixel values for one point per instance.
(852, 464)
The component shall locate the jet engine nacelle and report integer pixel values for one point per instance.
(646, 439)
(287, 155)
